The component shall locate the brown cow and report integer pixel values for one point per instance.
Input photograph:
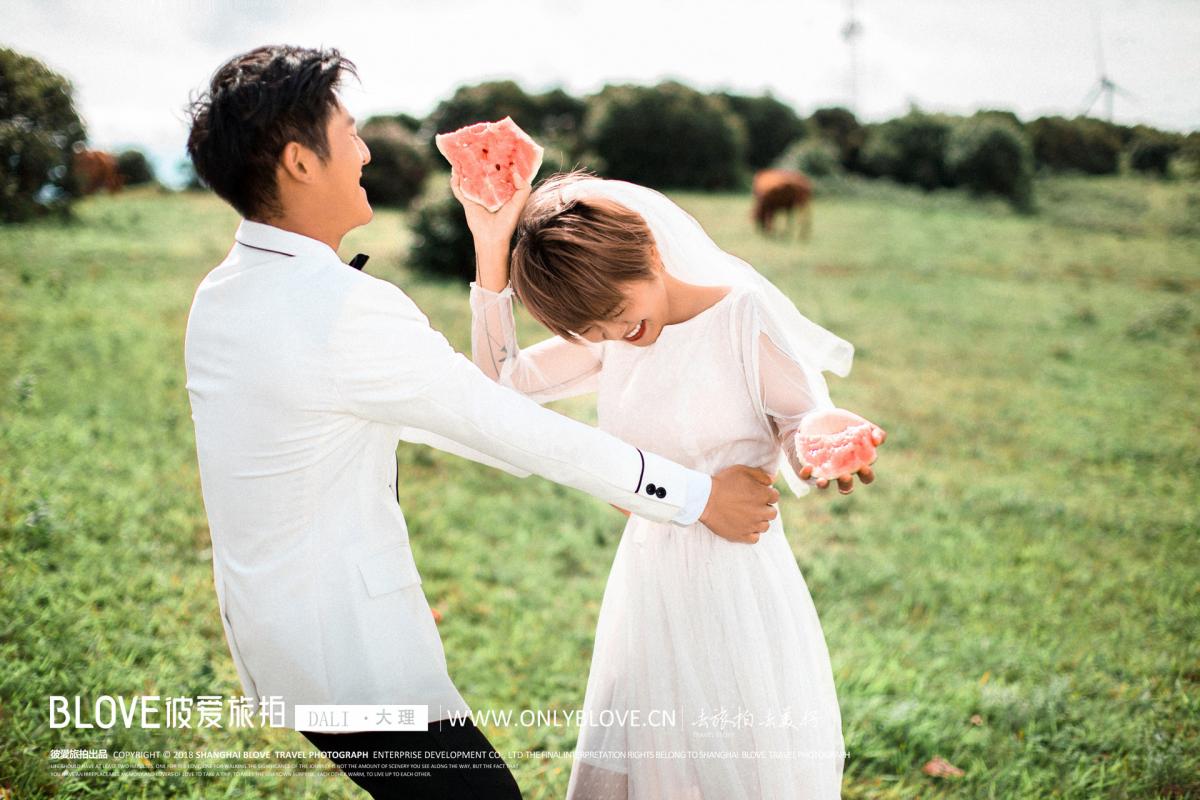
(778, 190)
(95, 170)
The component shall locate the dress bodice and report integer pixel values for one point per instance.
(687, 396)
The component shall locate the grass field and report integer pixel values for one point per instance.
(1018, 592)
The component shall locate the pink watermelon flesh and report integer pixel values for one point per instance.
(835, 454)
(492, 160)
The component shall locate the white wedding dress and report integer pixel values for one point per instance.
(710, 676)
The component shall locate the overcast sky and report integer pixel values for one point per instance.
(134, 63)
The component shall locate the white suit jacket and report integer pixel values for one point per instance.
(303, 375)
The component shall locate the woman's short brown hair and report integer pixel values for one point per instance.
(571, 258)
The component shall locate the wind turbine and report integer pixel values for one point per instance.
(850, 33)
(1105, 86)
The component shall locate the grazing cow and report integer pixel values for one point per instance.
(95, 170)
(778, 190)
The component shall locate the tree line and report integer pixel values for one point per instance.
(668, 136)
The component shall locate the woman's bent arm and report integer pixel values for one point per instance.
(552, 369)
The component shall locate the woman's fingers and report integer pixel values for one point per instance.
(845, 484)
(866, 475)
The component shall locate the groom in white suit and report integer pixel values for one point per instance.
(303, 373)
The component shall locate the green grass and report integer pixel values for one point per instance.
(1028, 553)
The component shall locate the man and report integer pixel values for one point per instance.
(303, 374)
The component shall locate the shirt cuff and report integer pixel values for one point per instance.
(507, 291)
(699, 487)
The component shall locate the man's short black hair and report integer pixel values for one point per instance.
(256, 103)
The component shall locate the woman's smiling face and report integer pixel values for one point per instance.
(588, 268)
(640, 317)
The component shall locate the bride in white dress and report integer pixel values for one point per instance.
(710, 676)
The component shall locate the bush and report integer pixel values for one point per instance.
(1123, 133)
(1001, 114)
(1189, 154)
(561, 119)
(814, 156)
(135, 168)
(1152, 151)
(187, 177)
(442, 244)
(669, 136)
(1082, 144)
(988, 154)
(554, 118)
(770, 127)
(411, 124)
(399, 164)
(841, 128)
(553, 115)
(491, 101)
(909, 149)
(39, 128)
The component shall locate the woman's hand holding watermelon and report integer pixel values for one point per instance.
(492, 231)
(492, 167)
(836, 443)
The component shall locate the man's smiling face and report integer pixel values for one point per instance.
(342, 171)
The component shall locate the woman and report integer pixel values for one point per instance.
(710, 676)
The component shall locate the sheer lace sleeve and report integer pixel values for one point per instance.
(785, 388)
(787, 395)
(549, 370)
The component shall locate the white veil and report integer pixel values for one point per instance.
(689, 254)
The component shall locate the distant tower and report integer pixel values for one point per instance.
(850, 33)
(1104, 86)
